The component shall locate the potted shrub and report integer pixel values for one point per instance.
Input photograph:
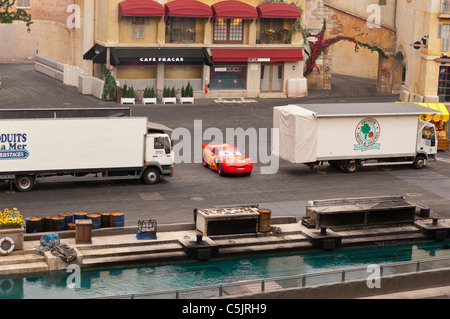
(169, 95)
(127, 95)
(11, 231)
(187, 94)
(149, 96)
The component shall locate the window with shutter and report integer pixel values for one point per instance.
(137, 27)
(444, 34)
(23, 4)
(445, 44)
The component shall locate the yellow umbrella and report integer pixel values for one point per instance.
(438, 107)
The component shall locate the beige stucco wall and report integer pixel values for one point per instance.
(346, 61)
(365, 9)
(17, 44)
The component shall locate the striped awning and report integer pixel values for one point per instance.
(437, 107)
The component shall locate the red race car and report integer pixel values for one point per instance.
(226, 159)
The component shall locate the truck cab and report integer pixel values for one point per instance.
(427, 144)
(159, 156)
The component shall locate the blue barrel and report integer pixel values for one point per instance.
(96, 220)
(34, 225)
(79, 215)
(58, 223)
(68, 218)
(117, 219)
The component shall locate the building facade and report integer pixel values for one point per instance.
(423, 45)
(221, 48)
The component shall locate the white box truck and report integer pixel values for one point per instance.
(38, 150)
(353, 135)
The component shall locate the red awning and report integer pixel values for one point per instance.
(278, 10)
(188, 8)
(140, 8)
(257, 55)
(232, 9)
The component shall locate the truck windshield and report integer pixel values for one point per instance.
(162, 143)
(429, 134)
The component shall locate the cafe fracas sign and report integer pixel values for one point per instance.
(162, 59)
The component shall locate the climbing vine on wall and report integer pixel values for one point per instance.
(8, 14)
(318, 47)
(110, 88)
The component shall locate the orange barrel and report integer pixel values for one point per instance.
(79, 215)
(95, 220)
(68, 217)
(105, 220)
(34, 225)
(117, 219)
(71, 226)
(58, 223)
(264, 220)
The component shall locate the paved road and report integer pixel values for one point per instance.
(194, 186)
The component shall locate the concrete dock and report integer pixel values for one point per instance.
(112, 246)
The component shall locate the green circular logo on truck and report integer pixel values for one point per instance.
(367, 134)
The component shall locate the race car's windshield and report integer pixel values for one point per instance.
(230, 153)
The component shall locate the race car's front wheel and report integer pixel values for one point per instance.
(221, 172)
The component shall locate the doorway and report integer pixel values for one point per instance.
(272, 77)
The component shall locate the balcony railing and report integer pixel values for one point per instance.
(275, 37)
(445, 9)
(185, 36)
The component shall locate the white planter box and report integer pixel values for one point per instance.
(149, 100)
(169, 100)
(219, 222)
(187, 100)
(127, 100)
(16, 234)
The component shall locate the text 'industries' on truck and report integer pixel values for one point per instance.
(40, 150)
(353, 135)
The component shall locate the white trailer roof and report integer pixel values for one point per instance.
(366, 109)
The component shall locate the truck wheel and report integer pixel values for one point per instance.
(351, 166)
(420, 162)
(151, 176)
(24, 183)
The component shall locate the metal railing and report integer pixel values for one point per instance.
(183, 36)
(295, 281)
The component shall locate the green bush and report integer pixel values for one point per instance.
(124, 90)
(149, 92)
(130, 92)
(187, 91)
(110, 88)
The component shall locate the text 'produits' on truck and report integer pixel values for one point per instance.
(37, 150)
(353, 135)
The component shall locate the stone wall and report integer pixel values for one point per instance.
(343, 23)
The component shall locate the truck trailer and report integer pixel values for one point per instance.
(353, 135)
(41, 150)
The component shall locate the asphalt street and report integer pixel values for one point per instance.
(193, 186)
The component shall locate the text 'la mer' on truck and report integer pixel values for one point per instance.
(353, 135)
(37, 150)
